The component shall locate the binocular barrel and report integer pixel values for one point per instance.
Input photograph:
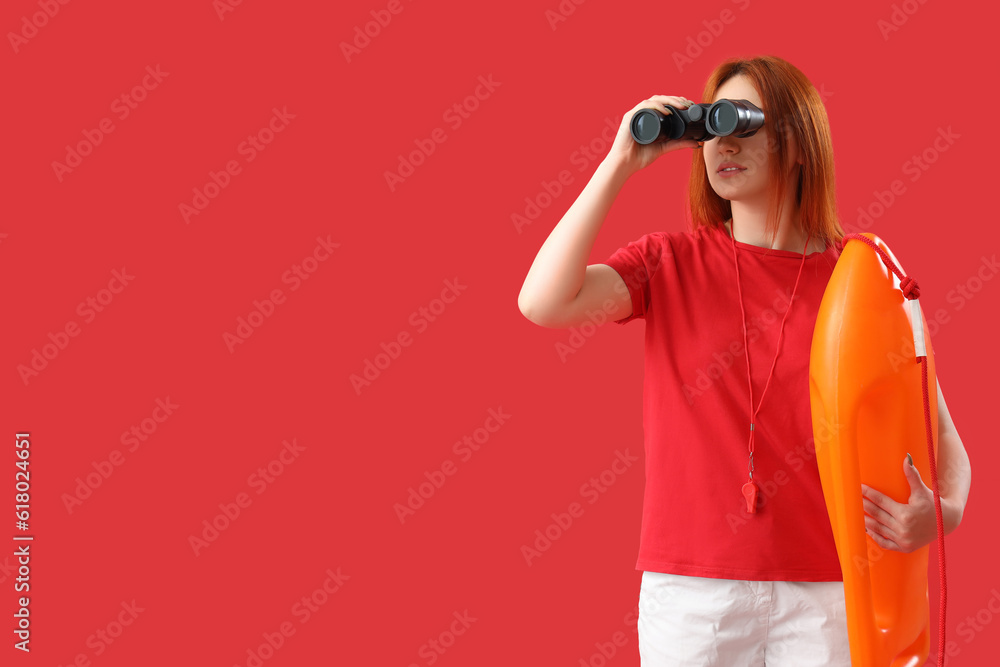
(699, 122)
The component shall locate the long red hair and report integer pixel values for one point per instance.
(794, 107)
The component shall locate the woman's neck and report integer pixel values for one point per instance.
(790, 237)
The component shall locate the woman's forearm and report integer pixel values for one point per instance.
(954, 479)
(557, 273)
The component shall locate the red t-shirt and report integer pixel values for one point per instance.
(696, 408)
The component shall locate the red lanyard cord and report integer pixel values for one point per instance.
(750, 488)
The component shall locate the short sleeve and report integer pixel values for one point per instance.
(637, 263)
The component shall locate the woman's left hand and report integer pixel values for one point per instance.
(898, 526)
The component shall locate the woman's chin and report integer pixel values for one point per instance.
(732, 191)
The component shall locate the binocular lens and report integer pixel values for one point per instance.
(699, 122)
(723, 118)
(738, 117)
(645, 126)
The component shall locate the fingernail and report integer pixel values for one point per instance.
(911, 459)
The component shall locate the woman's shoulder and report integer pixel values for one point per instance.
(675, 241)
(698, 235)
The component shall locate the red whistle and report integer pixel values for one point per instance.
(750, 493)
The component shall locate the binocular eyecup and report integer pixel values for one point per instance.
(699, 122)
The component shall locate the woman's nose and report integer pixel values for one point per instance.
(727, 143)
(722, 146)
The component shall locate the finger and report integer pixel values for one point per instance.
(884, 526)
(877, 513)
(673, 100)
(650, 104)
(667, 147)
(874, 526)
(883, 542)
(878, 498)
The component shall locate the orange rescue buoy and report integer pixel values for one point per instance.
(873, 398)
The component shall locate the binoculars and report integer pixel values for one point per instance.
(699, 122)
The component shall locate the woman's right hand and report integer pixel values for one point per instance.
(633, 156)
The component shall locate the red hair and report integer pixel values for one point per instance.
(794, 108)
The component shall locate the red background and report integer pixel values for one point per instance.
(324, 176)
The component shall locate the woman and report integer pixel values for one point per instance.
(737, 553)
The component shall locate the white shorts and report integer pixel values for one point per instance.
(727, 622)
